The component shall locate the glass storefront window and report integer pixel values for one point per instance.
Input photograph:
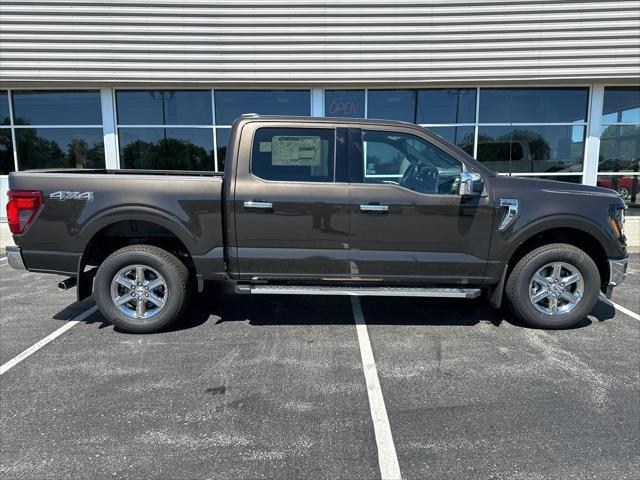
(532, 149)
(449, 105)
(61, 107)
(533, 105)
(462, 137)
(222, 140)
(6, 152)
(60, 148)
(621, 105)
(392, 105)
(164, 107)
(230, 104)
(4, 108)
(628, 186)
(620, 148)
(166, 148)
(344, 103)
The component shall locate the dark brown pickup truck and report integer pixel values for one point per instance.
(320, 206)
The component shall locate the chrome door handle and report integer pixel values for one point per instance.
(374, 208)
(258, 204)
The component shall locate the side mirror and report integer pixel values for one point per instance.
(470, 184)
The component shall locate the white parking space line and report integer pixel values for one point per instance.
(37, 346)
(624, 310)
(387, 458)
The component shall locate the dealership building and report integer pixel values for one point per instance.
(546, 89)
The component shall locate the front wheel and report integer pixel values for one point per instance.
(554, 286)
(141, 288)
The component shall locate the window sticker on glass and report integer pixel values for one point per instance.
(265, 147)
(296, 151)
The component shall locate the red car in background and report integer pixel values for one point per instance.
(627, 187)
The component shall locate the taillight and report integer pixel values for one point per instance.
(22, 207)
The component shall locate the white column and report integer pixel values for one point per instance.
(594, 130)
(109, 128)
(317, 102)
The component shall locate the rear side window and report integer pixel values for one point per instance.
(294, 154)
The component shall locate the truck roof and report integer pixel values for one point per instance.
(340, 120)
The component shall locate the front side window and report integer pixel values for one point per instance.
(293, 154)
(406, 160)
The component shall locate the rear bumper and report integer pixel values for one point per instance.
(14, 258)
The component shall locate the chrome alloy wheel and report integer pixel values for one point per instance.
(139, 291)
(556, 288)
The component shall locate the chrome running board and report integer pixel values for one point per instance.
(360, 291)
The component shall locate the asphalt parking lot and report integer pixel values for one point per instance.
(274, 387)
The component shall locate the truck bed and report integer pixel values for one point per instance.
(78, 204)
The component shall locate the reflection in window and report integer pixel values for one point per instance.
(60, 148)
(344, 103)
(230, 104)
(620, 148)
(293, 154)
(166, 148)
(533, 105)
(222, 140)
(431, 106)
(446, 105)
(628, 186)
(621, 104)
(463, 137)
(392, 105)
(6, 152)
(4, 108)
(63, 107)
(531, 149)
(164, 107)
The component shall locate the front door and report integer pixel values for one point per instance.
(408, 221)
(291, 215)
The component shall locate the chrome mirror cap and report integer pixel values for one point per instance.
(467, 180)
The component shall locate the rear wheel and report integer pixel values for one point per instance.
(554, 286)
(141, 288)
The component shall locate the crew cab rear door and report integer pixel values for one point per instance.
(291, 201)
(408, 221)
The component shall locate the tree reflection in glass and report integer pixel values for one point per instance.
(166, 149)
(60, 148)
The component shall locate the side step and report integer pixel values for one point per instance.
(361, 291)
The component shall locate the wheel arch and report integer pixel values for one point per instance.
(585, 235)
(118, 229)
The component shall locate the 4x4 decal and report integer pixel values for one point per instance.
(62, 196)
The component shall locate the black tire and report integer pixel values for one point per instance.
(173, 271)
(517, 287)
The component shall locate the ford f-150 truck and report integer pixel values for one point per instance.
(321, 206)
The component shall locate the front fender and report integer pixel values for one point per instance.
(511, 241)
